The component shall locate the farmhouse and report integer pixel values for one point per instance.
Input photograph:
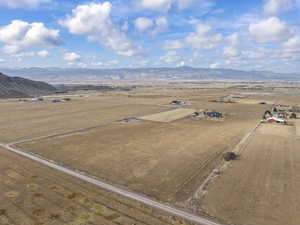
(281, 108)
(206, 113)
(177, 102)
(214, 114)
(283, 115)
(56, 100)
(275, 120)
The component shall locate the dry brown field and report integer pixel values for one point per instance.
(31, 194)
(169, 116)
(297, 124)
(21, 120)
(167, 161)
(263, 187)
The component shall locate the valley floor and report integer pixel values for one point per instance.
(138, 141)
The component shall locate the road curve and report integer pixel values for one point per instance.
(125, 193)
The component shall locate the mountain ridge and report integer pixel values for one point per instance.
(56, 74)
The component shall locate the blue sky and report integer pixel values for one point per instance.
(248, 35)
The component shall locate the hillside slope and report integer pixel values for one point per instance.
(16, 87)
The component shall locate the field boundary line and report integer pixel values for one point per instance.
(117, 190)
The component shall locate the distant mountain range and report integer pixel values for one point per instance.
(16, 87)
(71, 75)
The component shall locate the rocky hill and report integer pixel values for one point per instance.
(17, 87)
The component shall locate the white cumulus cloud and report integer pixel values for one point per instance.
(173, 44)
(292, 45)
(11, 49)
(186, 4)
(204, 38)
(215, 65)
(257, 54)
(161, 24)
(20, 34)
(23, 3)
(156, 5)
(232, 50)
(165, 5)
(143, 23)
(273, 7)
(94, 20)
(71, 56)
(233, 39)
(269, 30)
(171, 57)
(43, 53)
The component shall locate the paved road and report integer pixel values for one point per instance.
(131, 195)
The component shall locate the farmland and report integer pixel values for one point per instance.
(137, 141)
(169, 116)
(159, 158)
(263, 186)
(32, 194)
(166, 161)
(21, 120)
